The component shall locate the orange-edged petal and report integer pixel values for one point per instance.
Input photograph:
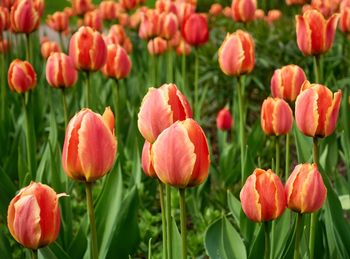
(146, 160)
(108, 118)
(303, 35)
(282, 117)
(332, 114)
(266, 116)
(231, 55)
(331, 27)
(249, 197)
(317, 25)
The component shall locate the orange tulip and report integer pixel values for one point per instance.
(93, 19)
(157, 46)
(24, 17)
(90, 145)
(215, 9)
(227, 12)
(88, 49)
(305, 190)
(262, 196)
(109, 10)
(243, 10)
(160, 108)
(60, 71)
(180, 155)
(150, 25)
(295, 2)
(224, 119)
(33, 216)
(344, 22)
(58, 21)
(286, 82)
(259, 14)
(273, 15)
(316, 110)
(80, 7)
(195, 30)
(4, 19)
(147, 165)
(169, 24)
(236, 54)
(49, 47)
(21, 76)
(315, 34)
(118, 63)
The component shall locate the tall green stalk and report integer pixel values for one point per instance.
(196, 72)
(3, 86)
(267, 240)
(170, 77)
(183, 70)
(298, 232)
(241, 126)
(65, 109)
(317, 69)
(286, 172)
(169, 221)
(34, 254)
(28, 47)
(277, 167)
(87, 89)
(116, 102)
(183, 219)
(90, 209)
(164, 222)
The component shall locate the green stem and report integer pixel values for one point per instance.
(241, 127)
(196, 68)
(317, 69)
(267, 240)
(287, 156)
(87, 90)
(34, 254)
(63, 48)
(277, 156)
(28, 47)
(116, 98)
(170, 78)
(90, 208)
(28, 134)
(183, 219)
(65, 110)
(3, 87)
(164, 222)
(315, 150)
(299, 227)
(169, 221)
(183, 67)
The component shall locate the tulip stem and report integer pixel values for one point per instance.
(287, 155)
(196, 68)
(183, 219)
(3, 87)
(117, 108)
(315, 150)
(90, 208)
(164, 223)
(61, 42)
(169, 221)
(87, 90)
(183, 66)
(28, 47)
(241, 127)
(65, 110)
(298, 235)
(170, 78)
(267, 240)
(277, 156)
(34, 254)
(317, 69)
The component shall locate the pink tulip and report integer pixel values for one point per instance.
(118, 63)
(146, 160)
(21, 76)
(243, 10)
(59, 21)
(49, 47)
(24, 17)
(224, 119)
(157, 46)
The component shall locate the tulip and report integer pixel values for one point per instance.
(243, 10)
(157, 46)
(88, 49)
(109, 10)
(195, 30)
(295, 2)
(21, 76)
(4, 46)
(215, 9)
(344, 22)
(315, 34)
(169, 25)
(227, 12)
(4, 19)
(58, 21)
(224, 119)
(33, 216)
(118, 63)
(316, 110)
(24, 17)
(80, 7)
(259, 14)
(262, 196)
(236, 54)
(164, 6)
(326, 7)
(160, 108)
(305, 190)
(286, 82)
(273, 15)
(39, 5)
(90, 145)
(150, 25)
(183, 11)
(49, 47)
(117, 34)
(93, 19)
(180, 155)
(60, 71)
(147, 165)
(129, 4)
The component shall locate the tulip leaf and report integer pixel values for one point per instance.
(176, 241)
(234, 206)
(303, 145)
(8, 190)
(345, 201)
(79, 244)
(258, 244)
(53, 251)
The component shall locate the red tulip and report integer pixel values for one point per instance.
(109, 10)
(93, 19)
(160, 108)
(80, 7)
(316, 110)
(286, 82)
(262, 196)
(118, 63)
(24, 17)
(157, 46)
(315, 34)
(305, 190)
(49, 47)
(21, 76)
(88, 49)
(169, 24)
(90, 146)
(180, 155)
(4, 19)
(344, 22)
(33, 216)
(195, 30)
(147, 165)
(236, 54)
(224, 119)
(58, 21)
(60, 71)
(243, 10)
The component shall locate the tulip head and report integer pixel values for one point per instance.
(24, 17)
(262, 196)
(109, 10)
(215, 9)
(58, 21)
(316, 110)
(236, 54)
(169, 26)
(195, 29)
(305, 190)
(243, 10)
(344, 21)
(33, 216)
(157, 46)
(146, 160)
(160, 108)
(4, 19)
(224, 119)
(180, 155)
(93, 19)
(118, 63)
(90, 145)
(80, 7)
(48, 47)
(21, 76)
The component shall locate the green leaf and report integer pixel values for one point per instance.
(258, 245)
(345, 201)
(53, 251)
(234, 205)
(176, 240)
(8, 190)
(303, 145)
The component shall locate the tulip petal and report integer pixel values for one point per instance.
(324, 102)
(277, 86)
(331, 27)
(249, 197)
(332, 114)
(108, 118)
(267, 199)
(282, 118)
(306, 114)
(303, 35)
(317, 25)
(231, 55)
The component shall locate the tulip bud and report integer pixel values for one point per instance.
(24, 17)
(118, 63)
(305, 190)
(33, 216)
(49, 47)
(58, 21)
(236, 54)
(4, 19)
(276, 117)
(93, 19)
(88, 49)
(224, 119)
(90, 145)
(147, 165)
(315, 34)
(21, 76)
(180, 155)
(227, 12)
(243, 10)
(215, 9)
(157, 46)
(80, 7)
(160, 108)
(60, 71)
(169, 25)
(286, 82)
(316, 110)
(262, 196)
(195, 29)
(109, 10)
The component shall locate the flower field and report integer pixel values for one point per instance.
(175, 129)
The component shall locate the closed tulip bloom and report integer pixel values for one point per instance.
(305, 190)
(157, 46)
(164, 6)
(118, 63)
(315, 34)
(169, 24)
(60, 71)
(129, 4)
(286, 82)
(243, 10)
(150, 25)
(93, 19)
(160, 108)
(262, 196)
(344, 22)
(4, 19)
(227, 12)
(90, 145)
(236, 54)
(316, 110)
(33, 216)
(224, 119)
(180, 155)
(195, 30)
(21, 76)
(146, 160)
(276, 117)
(49, 47)
(80, 7)
(58, 21)
(24, 17)
(215, 9)
(109, 10)
(88, 49)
